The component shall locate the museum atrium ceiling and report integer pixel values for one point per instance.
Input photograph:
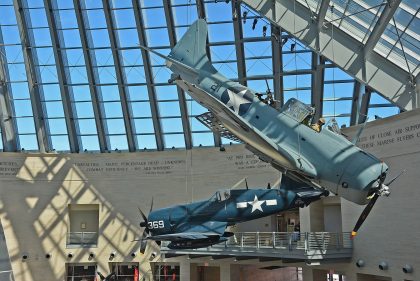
(73, 78)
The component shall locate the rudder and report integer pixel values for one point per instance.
(191, 49)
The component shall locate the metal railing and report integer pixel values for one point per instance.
(305, 245)
(82, 239)
(290, 240)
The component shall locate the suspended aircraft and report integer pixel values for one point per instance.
(288, 138)
(203, 223)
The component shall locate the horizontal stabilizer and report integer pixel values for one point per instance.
(170, 61)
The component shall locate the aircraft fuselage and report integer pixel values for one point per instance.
(325, 158)
(225, 208)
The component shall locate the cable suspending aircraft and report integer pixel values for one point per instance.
(287, 138)
(203, 223)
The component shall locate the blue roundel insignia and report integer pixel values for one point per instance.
(225, 97)
(243, 108)
(237, 100)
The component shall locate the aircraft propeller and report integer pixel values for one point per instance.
(382, 190)
(146, 232)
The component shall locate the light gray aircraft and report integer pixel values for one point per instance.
(288, 138)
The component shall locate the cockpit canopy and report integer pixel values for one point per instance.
(297, 110)
(220, 195)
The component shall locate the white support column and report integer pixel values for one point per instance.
(184, 270)
(225, 272)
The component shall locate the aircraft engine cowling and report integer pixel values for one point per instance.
(360, 178)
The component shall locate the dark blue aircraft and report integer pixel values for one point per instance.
(203, 223)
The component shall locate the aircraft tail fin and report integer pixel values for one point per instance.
(191, 49)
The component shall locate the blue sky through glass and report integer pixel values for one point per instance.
(97, 67)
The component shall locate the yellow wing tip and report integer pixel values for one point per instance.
(353, 234)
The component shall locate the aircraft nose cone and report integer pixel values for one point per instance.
(377, 174)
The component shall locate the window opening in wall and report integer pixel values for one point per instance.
(84, 225)
(165, 272)
(126, 271)
(81, 272)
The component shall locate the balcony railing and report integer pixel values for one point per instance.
(290, 245)
(82, 239)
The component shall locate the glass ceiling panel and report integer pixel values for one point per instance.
(379, 107)
(221, 32)
(184, 15)
(312, 4)
(355, 17)
(223, 53)
(217, 12)
(400, 41)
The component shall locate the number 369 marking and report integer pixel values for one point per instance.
(156, 224)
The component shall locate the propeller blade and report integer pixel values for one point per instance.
(400, 174)
(101, 276)
(109, 276)
(364, 214)
(143, 244)
(142, 214)
(151, 206)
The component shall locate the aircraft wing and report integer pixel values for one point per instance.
(193, 231)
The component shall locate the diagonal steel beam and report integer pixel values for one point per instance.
(380, 25)
(323, 8)
(7, 121)
(148, 74)
(120, 78)
(201, 11)
(97, 108)
(379, 73)
(181, 95)
(41, 127)
(69, 116)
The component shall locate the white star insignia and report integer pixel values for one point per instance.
(256, 204)
(236, 99)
